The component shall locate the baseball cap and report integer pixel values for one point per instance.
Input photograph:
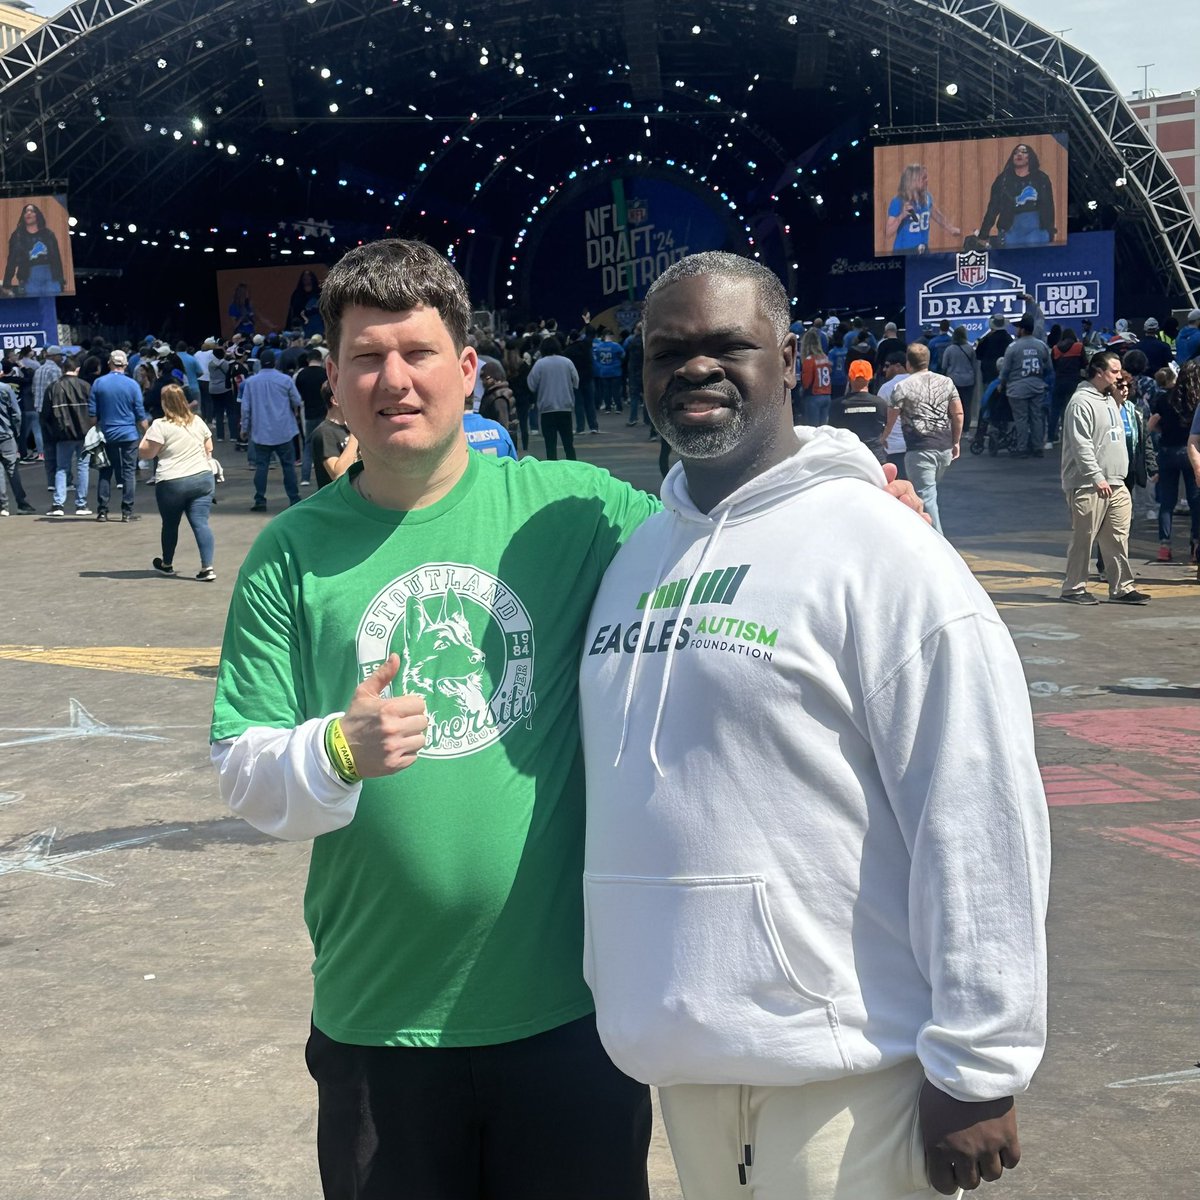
(1122, 326)
(267, 358)
(1194, 315)
(55, 350)
(861, 369)
(833, 322)
(996, 321)
(162, 349)
(259, 339)
(315, 340)
(897, 358)
(209, 343)
(1151, 324)
(118, 358)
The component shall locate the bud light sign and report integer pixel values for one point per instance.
(1070, 284)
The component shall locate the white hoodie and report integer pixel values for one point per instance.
(817, 841)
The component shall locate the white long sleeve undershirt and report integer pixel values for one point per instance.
(282, 782)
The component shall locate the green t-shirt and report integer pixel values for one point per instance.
(449, 911)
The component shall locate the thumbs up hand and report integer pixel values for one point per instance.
(384, 735)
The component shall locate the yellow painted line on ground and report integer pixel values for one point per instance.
(170, 662)
(997, 576)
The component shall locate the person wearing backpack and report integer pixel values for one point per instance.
(958, 363)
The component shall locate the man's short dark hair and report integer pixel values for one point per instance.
(1026, 323)
(267, 358)
(896, 359)
(72, 362)
(771, 295)
(1098, 363)
(395, 275)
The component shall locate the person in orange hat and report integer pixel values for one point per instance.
(860, 411)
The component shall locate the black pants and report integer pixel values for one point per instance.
(544, 1118)
(554, 426)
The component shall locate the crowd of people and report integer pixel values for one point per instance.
(1029, 389)
(912, 402)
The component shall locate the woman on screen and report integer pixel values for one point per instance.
(34, 265)
(1021, 206)
(241, 309)
(304, 309)
(910, 211)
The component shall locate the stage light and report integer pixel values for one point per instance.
(695, 28)
(875, 52)
(325, 72)
(1093, 205)
(952, 89)
(333, 108)
(132, 228)
(31, 145)
(197, 124)
(1119, 182)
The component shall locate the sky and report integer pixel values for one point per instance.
(1119, 34)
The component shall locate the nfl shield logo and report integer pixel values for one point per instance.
(972, 268)
(637, 212)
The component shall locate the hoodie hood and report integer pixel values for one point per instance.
(825, 453)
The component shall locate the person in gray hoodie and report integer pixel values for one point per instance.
(1095, 462)
(1027, 366)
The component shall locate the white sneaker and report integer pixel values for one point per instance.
(1048, 446)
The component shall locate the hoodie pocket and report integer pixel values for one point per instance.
(692, 985)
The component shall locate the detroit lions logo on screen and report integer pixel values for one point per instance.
(1028, 196)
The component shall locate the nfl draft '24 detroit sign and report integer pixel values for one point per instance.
(1071, 284)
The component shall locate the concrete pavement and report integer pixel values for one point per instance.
(155, 963)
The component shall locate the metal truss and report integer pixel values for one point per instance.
(1102, 125)
(86, 83)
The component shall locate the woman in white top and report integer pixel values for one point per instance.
(182, 443)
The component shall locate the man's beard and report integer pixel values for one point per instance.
(712, 441)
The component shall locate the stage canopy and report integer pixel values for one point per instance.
(252, 132)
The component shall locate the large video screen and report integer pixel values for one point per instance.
(271, 299)
(990, 194)
(38, 257)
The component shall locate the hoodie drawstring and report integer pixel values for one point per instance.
(643, 632)
(710, 545)
(746, 1157)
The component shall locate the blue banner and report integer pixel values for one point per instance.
(1072, 283)
(28, 321)
(601, 247)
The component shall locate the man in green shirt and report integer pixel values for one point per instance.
(399, 683)
(435, 601)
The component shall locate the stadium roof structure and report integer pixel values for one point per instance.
(269, 127)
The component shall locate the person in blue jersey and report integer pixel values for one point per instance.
(910, 211)
(607, 356)
(1021, 204)
(485, 435)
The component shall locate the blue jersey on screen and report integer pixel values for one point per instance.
(913, 233)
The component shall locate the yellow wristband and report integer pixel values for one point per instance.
(340, 754)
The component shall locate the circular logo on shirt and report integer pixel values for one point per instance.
(465, 643)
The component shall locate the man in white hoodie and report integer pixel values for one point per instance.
(815, 917)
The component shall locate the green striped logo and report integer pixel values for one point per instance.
(718, 586)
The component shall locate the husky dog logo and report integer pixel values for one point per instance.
(438, 619)
(441, 661)
(972, 268)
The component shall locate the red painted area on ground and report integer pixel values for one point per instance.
(1108, 783)
(1170, 733)
(1176, 840)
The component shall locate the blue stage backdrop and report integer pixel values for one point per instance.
(28, 321)
(1070, 284)
(599, 247)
